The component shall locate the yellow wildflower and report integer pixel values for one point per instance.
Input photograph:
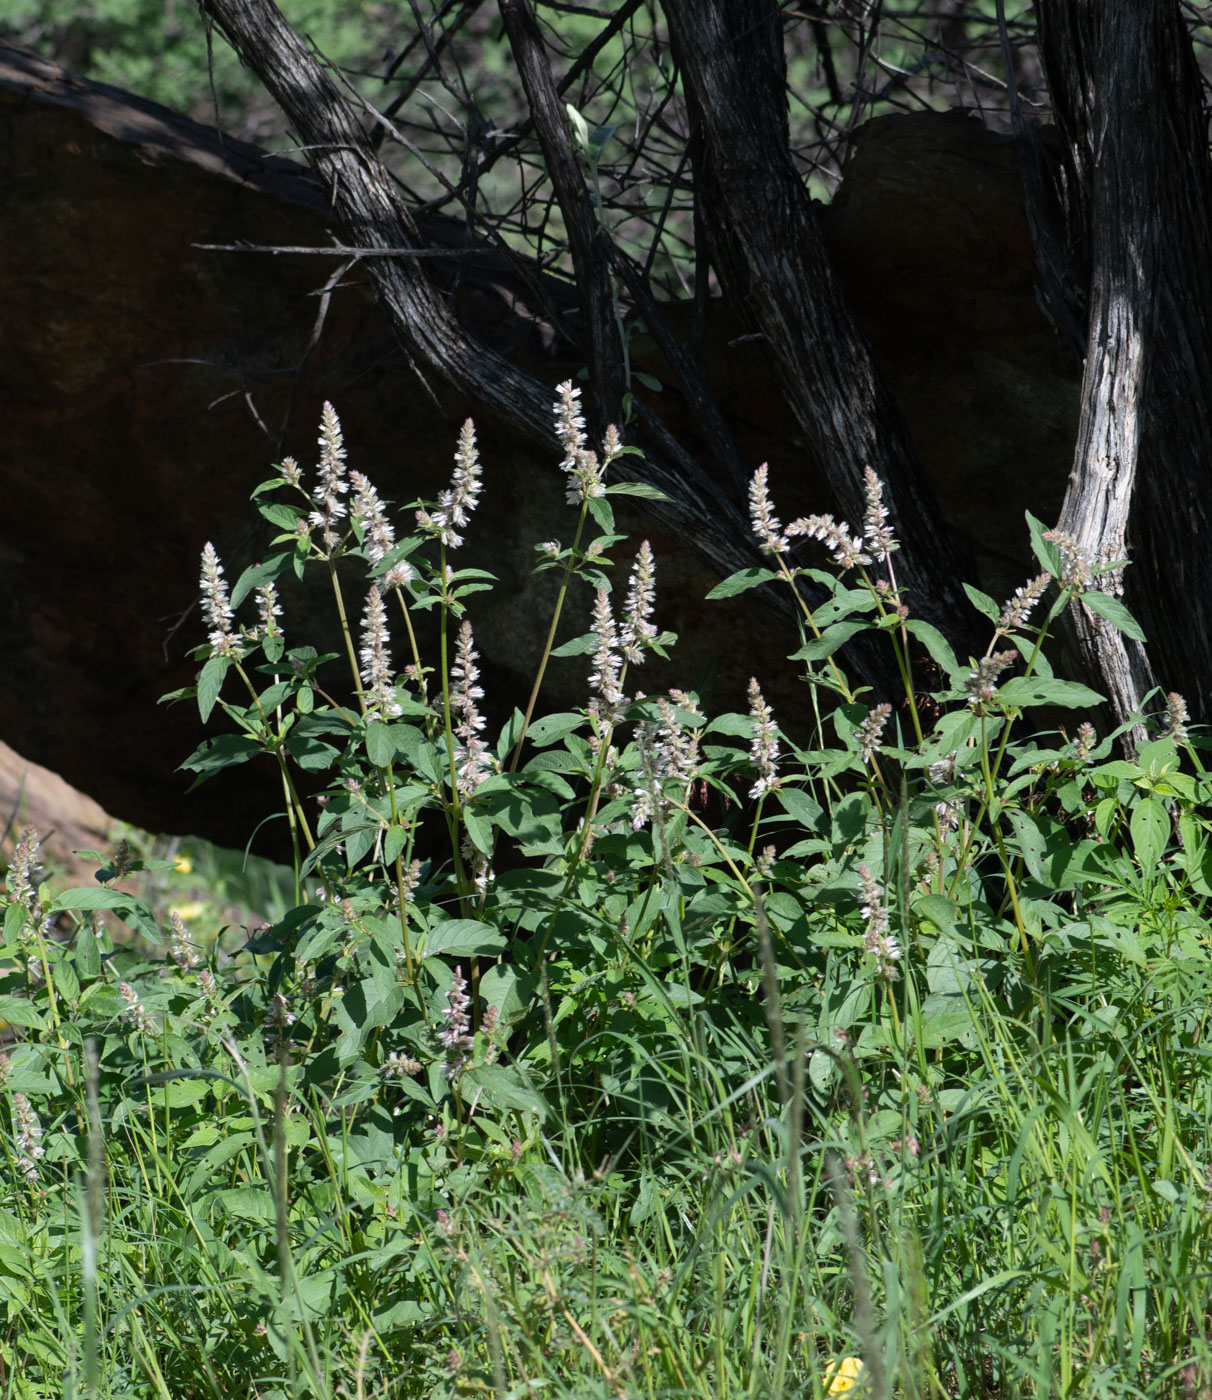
(842, 1377)
(183, 865)
(192, 910)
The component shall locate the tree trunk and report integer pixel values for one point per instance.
(769, 255)
(1127, 97)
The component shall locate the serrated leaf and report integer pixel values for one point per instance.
(742, 581)
(380, 744)
(638, 488)
(819, 648)
(551, 728)
(504, 1087)
(578, 646)
(936, 644)
(258, 574)
(462, 938)
(16, 1012)
(210, 683)
(1115, 613)
(982, 603)
(1022, 692)
(284, 517)
(1150, 829)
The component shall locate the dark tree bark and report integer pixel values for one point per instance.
(1127, 98)
(369, 213)
(769, 255)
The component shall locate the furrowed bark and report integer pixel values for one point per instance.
(770, 257)
(369, 213)
(1127, 97)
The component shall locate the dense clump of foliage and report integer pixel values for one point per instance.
(627, 1051)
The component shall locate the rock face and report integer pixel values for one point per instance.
(151, 382)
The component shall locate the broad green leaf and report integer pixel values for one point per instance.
(1150, 829)
(1116, 614)
(1030, 841)
(551, 728)
(742, 581)
(15, 1011)
(828, 642)
(578, 646)
(462, 938)
(221, 752)
(284, 517)
(504, 1086)
(210, 683)
(936, 644)
(1022, 692)
(258, 574)
(982, 602)
(638, 488)
(380, 744)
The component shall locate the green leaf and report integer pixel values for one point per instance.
(1150, 829)
(936, 644)
(1031, 841)
(982, 603)
(742, 581)
(1116, 614)
(1022, 692)
(223, 751)
(380, 744)
(257, 574)
(311, 755)
(504, 1086)
(800, 807)
(284, 517)
(1047, 554)
(16, 1012)
(479, 828)
(552, 728)
(828, 642)
(210, 683)
(463, 938)
(638, 488)
(578, 646)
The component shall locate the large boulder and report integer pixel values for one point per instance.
(151, 381)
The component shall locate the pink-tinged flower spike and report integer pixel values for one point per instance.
(472, 760)
(29, 1139)
(268, 608)
(637, 609)
(1076, 569)
(24, 871)
(455, 1034)
(1177, 717)
(1020, 607)
(763, 752)
(869, 734)
(669, 757)
(766, 525)
(331, 484)
(981, 684)
(288, 470)
(368, 510)
(834, 535)
(607, 664)
(456, 503)
(877, 940)
(876, 535)
(216, 607)
(377, 675)
(569, 424)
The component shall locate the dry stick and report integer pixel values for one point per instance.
(587, 240)
(370, 213)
